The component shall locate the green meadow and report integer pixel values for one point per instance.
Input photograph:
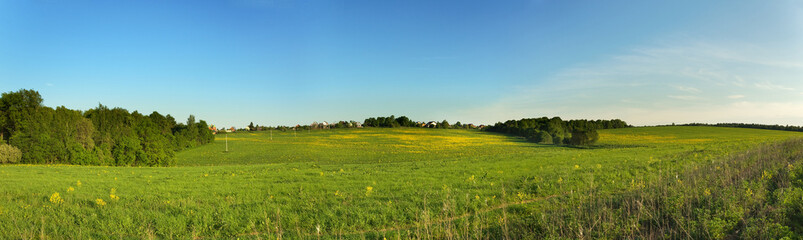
(371, 183)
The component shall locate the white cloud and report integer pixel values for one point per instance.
(771, 86)
(688, 89)
(736, 96)
(630, 86)
(687, 98)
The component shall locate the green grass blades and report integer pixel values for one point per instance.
(368, 183)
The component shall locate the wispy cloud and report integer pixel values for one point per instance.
(736, 96)
(697, 79)
(771, 86)
(688, 89)
(686, 98)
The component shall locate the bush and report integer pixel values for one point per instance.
(584, 137)
(543, 138)
(9, 154)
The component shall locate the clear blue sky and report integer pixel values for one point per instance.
(285, 62)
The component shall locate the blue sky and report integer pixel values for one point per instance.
(285, 62)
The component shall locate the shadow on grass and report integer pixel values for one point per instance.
(595, 146)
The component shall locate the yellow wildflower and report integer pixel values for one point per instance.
(55, 198)
(113, 194)
(70, 189)
(707, 192)
(576, 166)
(78, 183)
(368, 190)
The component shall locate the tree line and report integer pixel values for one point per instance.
(98, 136)
(556, 130)
(750, 125)
(403, 121)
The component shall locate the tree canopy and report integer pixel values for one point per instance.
(98, 136)
(556, 130)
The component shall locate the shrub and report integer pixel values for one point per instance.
(9, 154)
(544, 138)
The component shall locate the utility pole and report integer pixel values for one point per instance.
(227, 141)
(271, 134)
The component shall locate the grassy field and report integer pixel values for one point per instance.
(354, 183)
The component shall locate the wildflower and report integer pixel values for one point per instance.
(520, 195)
(766, 175)
(576, 166)
(680, 181)
(55, 198)
(321, 174)
(471, 179)
(477, 197)
(100, 202)
(368, 190)
(112, 195)
(337, 193)
(70, 189)
(707, 192)
(560, 180)
(78, 183)
(749, 192)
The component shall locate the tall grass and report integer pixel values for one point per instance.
(757, 194)
(401, 184)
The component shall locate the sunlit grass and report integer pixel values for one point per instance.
(349, 183)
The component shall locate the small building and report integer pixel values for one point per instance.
(432, 124)
(232, 129)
